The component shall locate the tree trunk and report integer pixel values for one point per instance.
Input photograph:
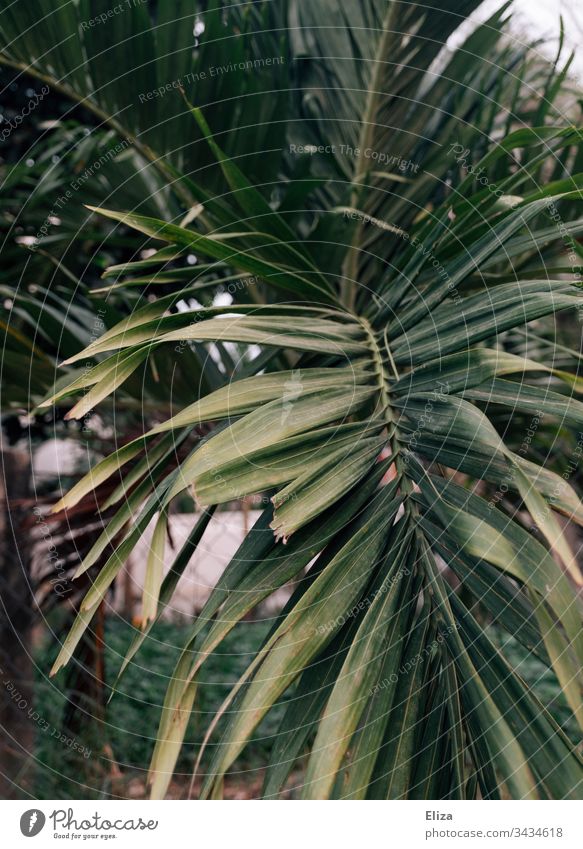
(17, 729)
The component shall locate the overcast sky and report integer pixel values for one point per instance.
(540, 18)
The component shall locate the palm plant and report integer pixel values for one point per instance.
(386, 302)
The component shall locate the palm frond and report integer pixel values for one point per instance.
(377, 443)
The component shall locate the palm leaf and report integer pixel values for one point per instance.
(401, 341)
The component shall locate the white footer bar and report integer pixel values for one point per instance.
(293, 825)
